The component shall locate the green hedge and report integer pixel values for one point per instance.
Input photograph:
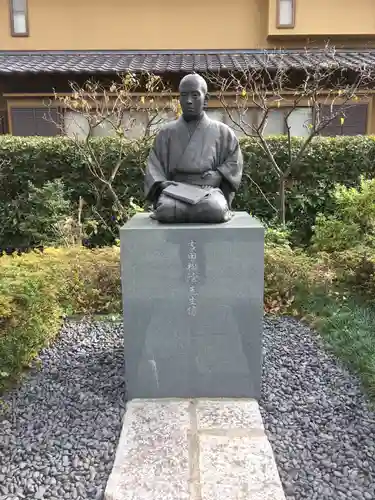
(39, 160)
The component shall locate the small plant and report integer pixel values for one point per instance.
(348, 330)
(46, 214)
(278, 235)
(353, 223)
(333, 235)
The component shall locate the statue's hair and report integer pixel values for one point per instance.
(199, 78)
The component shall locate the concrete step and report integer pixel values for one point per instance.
(199, 449)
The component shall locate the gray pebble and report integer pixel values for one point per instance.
(329, 422)
(40, 492)
(69, 415)
(61, 411)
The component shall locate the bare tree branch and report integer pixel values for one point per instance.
(248, 176)
(131, 108)
(319, 82)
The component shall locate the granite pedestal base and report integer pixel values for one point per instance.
(194, 450)
(193, 308)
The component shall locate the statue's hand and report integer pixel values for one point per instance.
(164, 184)
(213, 175)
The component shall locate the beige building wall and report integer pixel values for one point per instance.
(149, 24)
(327, 17)
(174, 24)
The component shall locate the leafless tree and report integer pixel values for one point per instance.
(115, 108)
(319, 82)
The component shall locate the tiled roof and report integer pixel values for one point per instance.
(166, 61)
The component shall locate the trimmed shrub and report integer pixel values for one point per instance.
(354, 271)
(352, 224)
(332, 234)
(346, 239)
(43, 215)
(38, 289)
(291, 276)
(39, 160)
(30, 314)
(326, 162)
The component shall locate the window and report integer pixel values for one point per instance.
(285, 13)
(240, 121)
(34, 121)
(18, 18)
(216, 114)
(77, 125)
(298, 121)
(155, 124)
(275, 122)
(354, 123)
(243, 122)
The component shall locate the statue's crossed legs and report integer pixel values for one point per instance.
(213, 209)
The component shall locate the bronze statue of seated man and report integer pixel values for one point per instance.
(195, 165)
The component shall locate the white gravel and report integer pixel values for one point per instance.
(59, 434)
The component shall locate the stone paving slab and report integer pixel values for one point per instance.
(180, 449)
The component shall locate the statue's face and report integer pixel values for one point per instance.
(192, 98)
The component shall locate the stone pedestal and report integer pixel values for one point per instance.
(193, 308)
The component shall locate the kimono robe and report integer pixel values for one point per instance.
(208, 156)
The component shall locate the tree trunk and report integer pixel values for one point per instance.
(282, 208)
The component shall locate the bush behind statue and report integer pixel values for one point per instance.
(35, 161)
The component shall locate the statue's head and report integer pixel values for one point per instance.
(193, 95)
